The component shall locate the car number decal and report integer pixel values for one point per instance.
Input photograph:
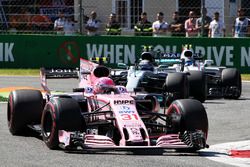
(128, 117)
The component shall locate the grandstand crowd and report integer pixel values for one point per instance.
(37, 20)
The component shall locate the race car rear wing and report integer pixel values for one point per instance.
(168, 58)
(59, 73)
(56, 73)
(168, 61)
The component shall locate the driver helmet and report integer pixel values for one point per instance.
(187, 55)
(147, 56)
(103, 84)
(146, 65)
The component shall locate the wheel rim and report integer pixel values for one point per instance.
(47, 124)
(175, 116)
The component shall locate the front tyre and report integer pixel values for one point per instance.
(177, 84)
(231, 82)
(188, 116)
(24, 108)
(60, 114)
(198, 85)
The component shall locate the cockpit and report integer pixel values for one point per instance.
(146, 62)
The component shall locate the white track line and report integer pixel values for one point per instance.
(220, 153)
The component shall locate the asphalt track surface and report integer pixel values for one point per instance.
(228, 122)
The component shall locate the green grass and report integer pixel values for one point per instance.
(20, 72)
(245, 77)
(2, 99)
(35, 72)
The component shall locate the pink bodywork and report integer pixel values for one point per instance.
(124, 112)
(86, 79)
(126, 117)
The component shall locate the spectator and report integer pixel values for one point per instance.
(13, 22)
(160, 27)
(177, 25)
(92, 25)
(190, 28)
(113, 27)
(205, 26)
(70, 26)
(59, 24)
(241, 25)
(41, 23)
(24, 19)
(143, 26)
(85, 19)
(216, 28)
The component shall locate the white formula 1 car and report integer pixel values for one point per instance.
(221, 81)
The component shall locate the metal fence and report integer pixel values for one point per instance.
(32, 16)
(38, 16)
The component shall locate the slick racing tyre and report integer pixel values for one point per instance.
(230, 78)
(60, 113)
(188, 115)
(24, 108)
(197, 85)
(177, 84)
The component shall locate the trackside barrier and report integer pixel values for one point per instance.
(35, 51)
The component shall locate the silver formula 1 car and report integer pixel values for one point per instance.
(99, 115)
(221, 81)
(154, 75)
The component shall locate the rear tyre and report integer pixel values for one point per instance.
(197, 85)
(188, 115)
(177, 84)
(231, 77)
(24, 108)
(60, 114)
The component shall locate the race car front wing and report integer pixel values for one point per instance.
(187, 140)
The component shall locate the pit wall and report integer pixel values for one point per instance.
(35, 51)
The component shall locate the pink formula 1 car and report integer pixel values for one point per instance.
(99, 115)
